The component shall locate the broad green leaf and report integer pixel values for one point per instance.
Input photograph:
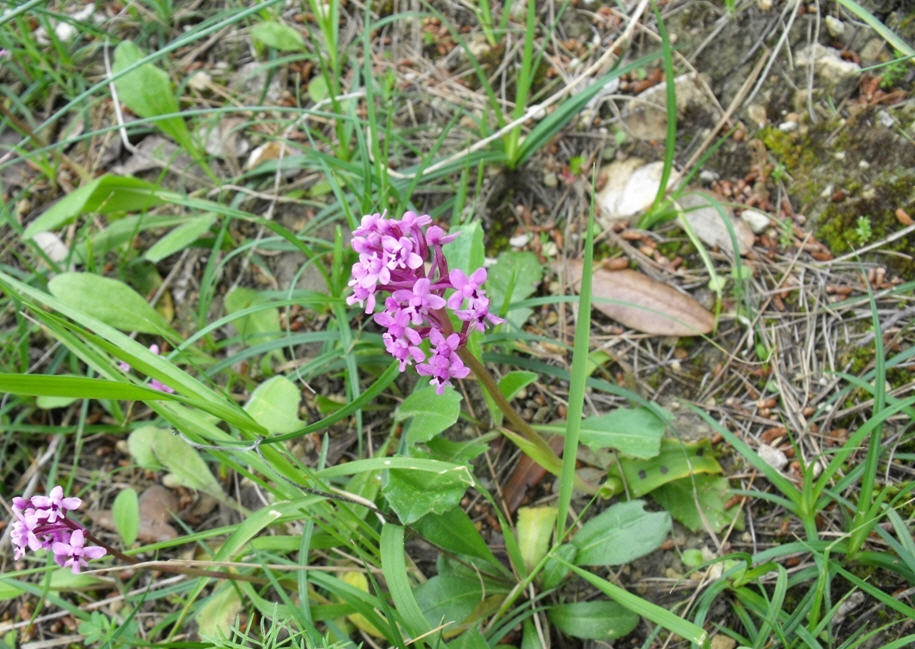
(258, 327)
(412, 494)
(429, 413)
(274, 404)
(217, 616)
(147, 91)
(713, 494)
(49, 403)
(676, 460)
(466, 252)
(594, 620)
(278, 35)
(535, 527)
(515, 381)
(63, 579)
(449, 598)
(395, 573)
(9, 590)
(622, 533)
(454, 531)
(140, 446)
(471, 639)
(184, 462)
(556, 567)
(637, 432)
(514, 277)
(110, 301)
(106, 195)
(317, 91)
(457, 452)
(126, 514)
(180, 238)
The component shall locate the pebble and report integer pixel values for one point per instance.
(52, 245)
(757, 220)
(886, 119)
(772, 456)
(550, 180)
(787, 126)
(834, 26)
(519, 241)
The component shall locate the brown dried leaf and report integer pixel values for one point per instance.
(527, 474)
(713, 227)
(156, 503)
(642, 303)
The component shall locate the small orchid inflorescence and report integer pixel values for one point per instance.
(405, 258)
(155, 384)
(41, 522)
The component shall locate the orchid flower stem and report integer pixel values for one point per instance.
(165, 566)
(550, 461)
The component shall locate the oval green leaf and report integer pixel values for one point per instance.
(622, 533)
(109, 300)
(597, 620)
(126, 514)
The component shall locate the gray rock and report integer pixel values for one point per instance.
(832, 71)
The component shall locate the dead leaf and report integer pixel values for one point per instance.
(642, 303)
(156, 505)
(527, 474)
(713, 227)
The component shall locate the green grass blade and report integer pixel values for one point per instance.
(673, 623)
(577, 383)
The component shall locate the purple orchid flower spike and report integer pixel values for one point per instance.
(405, 259)
(42, 523)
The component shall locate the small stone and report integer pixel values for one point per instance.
(764, 5)
(709, 176)
(837, 75)
(550, 180)
(519, 241)
(722, 641)
(631, 187)
(864, 164)
(886, 119)
(52, 246)
(756, 220)
(787, 126)
(834, 26)
(713, 223)
(872, 51)
(757, 113)
(839, 155)
(199, 81)
(772, 456)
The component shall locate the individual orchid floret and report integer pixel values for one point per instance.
(155, 384)
(405, 259)
(74, 551)
(42, 523)
(470, 289)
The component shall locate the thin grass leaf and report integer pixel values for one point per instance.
(577, 383)
(673, 623)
